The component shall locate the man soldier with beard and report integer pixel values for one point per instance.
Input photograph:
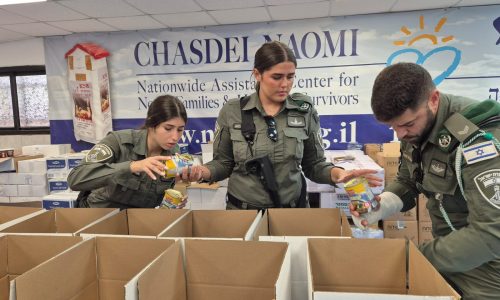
(449, 147)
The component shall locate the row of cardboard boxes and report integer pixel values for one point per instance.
(200, 196)
(188, 254)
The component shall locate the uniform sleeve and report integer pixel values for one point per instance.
(314, 163)
(223, 162)
(403, 186)
(99, 166)
(479, 241)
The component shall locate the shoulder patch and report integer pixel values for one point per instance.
(479, 152)
(99, 153)
(488, 184)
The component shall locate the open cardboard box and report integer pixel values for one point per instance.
(97, 268)
(20, 253)
(135, 221)
(295, 226)
(226, 224)
(372, 269)
(10, 215)
(63, 221)
(221, 269)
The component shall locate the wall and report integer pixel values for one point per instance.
(22, 53)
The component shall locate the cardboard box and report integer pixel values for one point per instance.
(401, 230)
(295, 226)
(60, 200)
(10, 215)
(46, 150)
(10, 164)
(206, 196)
(136, 221)
(97, 268)
(225, 224)
(32, 190)
(8, 190)
(58, 185)
(410, 215)
(424, 232)
(243, 270)
(423, 212)
(207, 152)
(335, 200)
(372, 149)
(37, 165)
(331, 263)
(64, 221)
(20, 253)
(28, 178)
(389, 158)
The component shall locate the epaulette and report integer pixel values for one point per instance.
(303, 101)
(461, 126)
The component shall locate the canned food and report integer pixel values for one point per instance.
(177, 163)
(172, 198)
(360, 194)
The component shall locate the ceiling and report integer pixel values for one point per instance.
(62, 17)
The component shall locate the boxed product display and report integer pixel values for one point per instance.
(20, 253)
(225, 224)
(136, 221)
(332, 265)
(295, 226)
(206, 196)
(97, 268)
(62, 221)
(11, 164)
(60, 200)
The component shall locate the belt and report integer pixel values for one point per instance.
(243, 205)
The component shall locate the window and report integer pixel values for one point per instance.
(24, 101)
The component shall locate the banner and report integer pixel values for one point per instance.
(338, 60)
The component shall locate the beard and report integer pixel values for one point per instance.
(420, 138)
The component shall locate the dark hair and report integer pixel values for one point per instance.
(400, 87)
(271, 54)
(164, 108)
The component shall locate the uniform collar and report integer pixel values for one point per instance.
(444, 111)
(254, 102)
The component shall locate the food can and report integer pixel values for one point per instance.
(361, 195)
(177, 163)
(172, 198)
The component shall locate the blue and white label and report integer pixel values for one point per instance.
(479, 152)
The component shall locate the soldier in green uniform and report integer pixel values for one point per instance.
(126, 168)
(449, 148)
(285, 132)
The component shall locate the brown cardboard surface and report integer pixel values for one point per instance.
(212, 224)
(372, 149)
(37, 204)
(8, 213)
(222, 223)
(165, 279)
(228, 269)
(42, 223)
(151, 222)
(401, 230)
(392, 149)
(410, 215)
(332, 261)
(60, 220)
(424, 232)
(120, 258)
(4, 277)
(423, 212)
(99, 266)
(70, 220)
(63, 278)
(423, 278)
(307, 222)
(116, 224)
(4, 287)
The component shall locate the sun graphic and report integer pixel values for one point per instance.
(431, 37)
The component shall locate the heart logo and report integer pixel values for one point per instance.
(421, 58)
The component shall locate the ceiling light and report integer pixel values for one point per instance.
(6, 2)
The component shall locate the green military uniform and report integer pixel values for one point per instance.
(298, 149)
(105, 171)
(469, 254)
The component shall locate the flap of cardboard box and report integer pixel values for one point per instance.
(222, 269)
(332, 260)
(307, 222)
(151, 222)
(116, 224)
(391, 149)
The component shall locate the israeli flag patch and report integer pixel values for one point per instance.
(479, 152)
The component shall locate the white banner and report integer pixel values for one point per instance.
(338, 59)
